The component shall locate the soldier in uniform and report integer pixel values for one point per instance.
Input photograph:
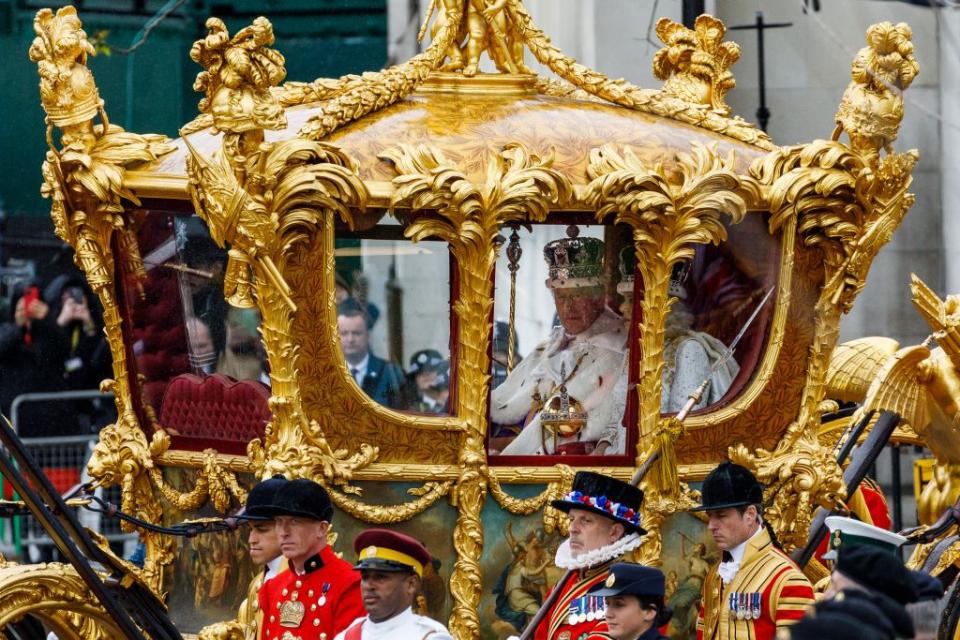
(604, 517)
(265, 554)
(866, 558)
(633, 601)
(391, 567)
(264, 549)
(756, 589)
(320, 595)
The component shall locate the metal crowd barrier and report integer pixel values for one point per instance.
(64, 461)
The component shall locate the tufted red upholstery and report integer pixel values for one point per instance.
(215, 408)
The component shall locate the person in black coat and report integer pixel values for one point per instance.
(633, 597)
(381, 380)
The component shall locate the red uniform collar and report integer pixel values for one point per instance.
(318, 560)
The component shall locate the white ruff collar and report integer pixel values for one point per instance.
(565, 559)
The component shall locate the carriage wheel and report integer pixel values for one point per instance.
(51, 596)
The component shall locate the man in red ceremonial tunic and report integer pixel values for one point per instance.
(604, 515)
(757, 589)
(320, 595)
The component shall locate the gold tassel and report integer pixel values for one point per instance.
(670, 431)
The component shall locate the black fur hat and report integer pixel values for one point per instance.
(729, 485)
(609, 497)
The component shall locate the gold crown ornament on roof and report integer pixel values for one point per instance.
(67, 88)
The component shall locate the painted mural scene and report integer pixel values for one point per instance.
(480, 320)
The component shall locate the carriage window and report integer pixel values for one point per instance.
(561, 368)
(203, 363)
(393, 318)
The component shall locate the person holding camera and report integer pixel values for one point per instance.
(51, 344)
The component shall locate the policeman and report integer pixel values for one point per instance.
(391, 566)
(429, 376)
(320, 595)
(756, 589)
(633, 601)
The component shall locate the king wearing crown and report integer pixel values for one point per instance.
(561, 393)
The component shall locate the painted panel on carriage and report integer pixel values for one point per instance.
(212, 572)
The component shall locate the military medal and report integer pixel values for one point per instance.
(323, 594)
(755, 609)
(574, 611)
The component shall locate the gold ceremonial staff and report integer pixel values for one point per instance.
(693, 399)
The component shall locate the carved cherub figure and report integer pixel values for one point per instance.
(695, 63)
(485, 25)
(237, 77)
(872, 105)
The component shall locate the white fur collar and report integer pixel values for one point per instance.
(565, 559)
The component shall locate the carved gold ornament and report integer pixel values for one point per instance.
(275, 206)
(847, 201)
(670, 214)
(872, 105)
(696, 62)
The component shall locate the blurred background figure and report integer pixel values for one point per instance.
(428, 379)
(54, 342)
(379, 379)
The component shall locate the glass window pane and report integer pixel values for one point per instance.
(393, 317)
(185, 331)
(567, 391)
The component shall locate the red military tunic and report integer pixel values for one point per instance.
(768, 593)
(574, 601)
(315, 605)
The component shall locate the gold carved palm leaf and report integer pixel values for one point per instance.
(426, 180)
(312, 179)
(523, 186)
(826, 186)
(670, 213)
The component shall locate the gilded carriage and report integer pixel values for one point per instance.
(429, 190)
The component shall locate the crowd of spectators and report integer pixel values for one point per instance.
(53, 341)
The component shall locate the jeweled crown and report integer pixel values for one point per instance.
(574, 261)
